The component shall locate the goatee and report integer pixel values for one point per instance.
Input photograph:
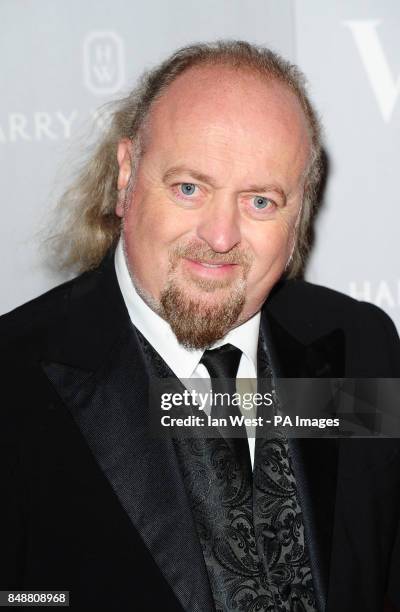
(200, 311)
(196, 320)
(197, 325)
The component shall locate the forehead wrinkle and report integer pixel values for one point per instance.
(224, 113)
(220, 122)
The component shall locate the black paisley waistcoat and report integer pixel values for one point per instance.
(249, 524)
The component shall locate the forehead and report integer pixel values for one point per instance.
(220, 111)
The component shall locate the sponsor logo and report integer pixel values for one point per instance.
(41, 126)
(37, 126)
(385, 86)
(382, 293)
(103, 62)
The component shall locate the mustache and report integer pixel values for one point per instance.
(202, 252)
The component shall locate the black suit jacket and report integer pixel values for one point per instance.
(93, 505)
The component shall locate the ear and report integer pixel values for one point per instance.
(124, 157)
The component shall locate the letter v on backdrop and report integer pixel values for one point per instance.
(385, 86)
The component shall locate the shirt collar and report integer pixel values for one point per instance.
(158, 332)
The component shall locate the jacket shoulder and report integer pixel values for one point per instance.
(310, 311)
(309, 308)
(75, 323)
(310, 292)
(313, 304)
(31, 323)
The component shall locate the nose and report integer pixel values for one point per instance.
(219, 223)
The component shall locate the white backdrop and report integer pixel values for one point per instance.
(62, 60)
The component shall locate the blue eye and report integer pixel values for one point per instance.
(260, 202)
(187, 189)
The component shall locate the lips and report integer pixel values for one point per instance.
(210, 269)
(212, 264)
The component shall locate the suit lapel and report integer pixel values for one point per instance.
(314, 460)
(104, 383)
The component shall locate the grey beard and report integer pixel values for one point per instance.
(197, 325)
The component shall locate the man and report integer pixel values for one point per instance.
(194, 208)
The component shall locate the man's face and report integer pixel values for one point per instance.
(210, 223)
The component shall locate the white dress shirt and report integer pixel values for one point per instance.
(182, 361)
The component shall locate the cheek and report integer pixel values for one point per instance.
(272, 246)
(139, 216)
(152, 218)
(142, 235)
(151, 228)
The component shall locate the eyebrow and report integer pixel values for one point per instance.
(199, 176)
(205, 178)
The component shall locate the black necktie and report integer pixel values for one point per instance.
(222, 365)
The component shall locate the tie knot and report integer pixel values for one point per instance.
(222, 362)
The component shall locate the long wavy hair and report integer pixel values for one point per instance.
(87, 226)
